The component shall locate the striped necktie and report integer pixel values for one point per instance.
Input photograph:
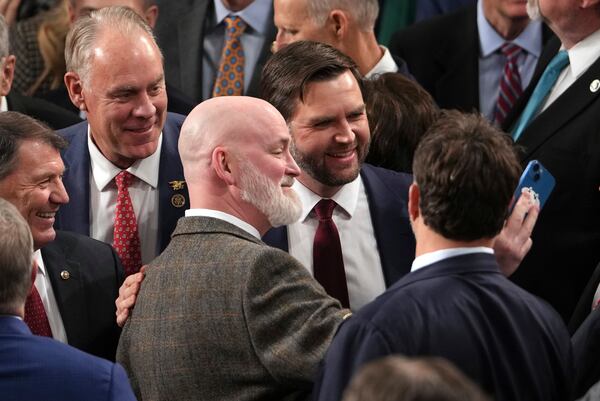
(510, 83)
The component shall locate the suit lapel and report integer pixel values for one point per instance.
(568, 105)
(191, 42)
(66, 291)
(265, 53)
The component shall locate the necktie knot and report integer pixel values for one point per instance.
(235, 26)
(123, 180)
(324, 209)
(511, 51)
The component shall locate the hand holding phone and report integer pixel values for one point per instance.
(537, 180)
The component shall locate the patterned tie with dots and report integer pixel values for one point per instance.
(35, 315)
(230, 78)
(126, 240)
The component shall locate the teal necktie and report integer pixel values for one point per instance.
(541, 91)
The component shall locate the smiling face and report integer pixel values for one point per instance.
(124, 96)
(330, 133)
(35, 188)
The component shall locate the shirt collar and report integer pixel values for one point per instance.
(490, 41)
(433, 257)
(346, 197)
(584, 53)
(3, 104)
(103, 171)
(37, 256)
(385, 64)
(257, 14)
(216, 214)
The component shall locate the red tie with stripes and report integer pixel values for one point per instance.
(510, 83)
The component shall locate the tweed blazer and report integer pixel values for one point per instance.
(222, 316)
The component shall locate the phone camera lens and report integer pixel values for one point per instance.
(536, 176)
(536, 167)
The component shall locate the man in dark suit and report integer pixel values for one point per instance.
(456, 303)
(349, 26)
(221, 315)
(118, 80)
(78, 278)
(33, 367)
(458, 57)
(191, 33)
(44, 111)
(561, 134)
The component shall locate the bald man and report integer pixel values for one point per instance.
(220, 315)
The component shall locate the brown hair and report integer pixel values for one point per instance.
(288, 72)
(396, 378)
(466, 171)
(399, 111)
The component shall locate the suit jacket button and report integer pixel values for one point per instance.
(65, 275)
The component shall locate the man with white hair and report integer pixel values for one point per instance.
(347, 25)
(220, 315)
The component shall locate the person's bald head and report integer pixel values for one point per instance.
(234, 150)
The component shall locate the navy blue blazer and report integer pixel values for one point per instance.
(75, 215)
(514, 345)
(41, 369)
(387, 193)
(586, 351)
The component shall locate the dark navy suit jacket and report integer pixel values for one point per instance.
(75, 215)
(463, 309)
(41, 369)
(387, 193)
(586, 352)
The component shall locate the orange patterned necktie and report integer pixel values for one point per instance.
(230, 78)
(126, 240)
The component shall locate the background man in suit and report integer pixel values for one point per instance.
(52, 115)
(347, 25)
(557, 125)
(77, 278)
(32, 367)
(193, 37)
(460, 58)
(456, 303)
(115, 74)
(316, 88)
(221, 315)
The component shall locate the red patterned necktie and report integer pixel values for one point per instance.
(230, 77)
(328, 264)
(510, 83)
(35, 314)
(126, 240)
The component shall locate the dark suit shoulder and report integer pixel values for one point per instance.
(56, 117)
(397, 182)
(68, 242)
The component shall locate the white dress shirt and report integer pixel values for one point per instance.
(44, 287)
(3, 104)
(225, 217)
(581, 57)
(364, 275)
(433, 257)
(143, 192)
(385, 64)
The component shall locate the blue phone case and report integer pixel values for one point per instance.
(536, 177)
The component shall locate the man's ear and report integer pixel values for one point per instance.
(589, 3)
(221, 163)
(338, 21)
(151, 15)
(7, 74)
(414, 196)
(75, 88)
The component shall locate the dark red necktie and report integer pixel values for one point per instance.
(126, 240)
(35, 314)
(510, 83)
(328, 264)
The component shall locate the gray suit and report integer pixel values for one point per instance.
(222, 316)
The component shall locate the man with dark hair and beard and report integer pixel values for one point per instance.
(220, 315)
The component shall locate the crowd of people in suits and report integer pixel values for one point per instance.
(256, 199)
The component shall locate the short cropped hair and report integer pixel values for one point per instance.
(365, 12)
(288, 72)
(400, 111)
(466, 171)
(16, 257)
(396, 378)
(4, 40)
(16, 128)
(86, 30)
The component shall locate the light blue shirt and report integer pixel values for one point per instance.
(257, 17)
(491, 60)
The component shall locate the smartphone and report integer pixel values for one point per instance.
(536, 178)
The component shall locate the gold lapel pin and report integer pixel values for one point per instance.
(65, 275)
(178, 200)
(177, 185)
